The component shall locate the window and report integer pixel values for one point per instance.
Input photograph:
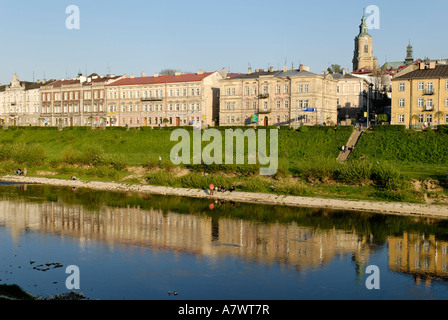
(300, 88)
(421, 86)
(305, 88)
(123, 95)
(265, 106)
(446, 85)
(421, 102)
(401, 103)
(401, 86)
(170, 107)
(254, 91)
(170, 93)
(130, 94)
(184, 92)
(420, 118)
(184, 107)
(254, 105)
(446, 102)
(338, 89)
(446, 118)
(278, 105)
(429, 118)
(246, 91)
(277, 90)
(286, 104)
(429, 104)
(430, 87)
(177, 107)
(228, 91)
(265, 89)
(233, 91)
(198, 92)
(247, 105)
(286, 88)
(366, 48)
(401, 118)
(192, 92)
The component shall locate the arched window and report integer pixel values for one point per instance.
(366, 48)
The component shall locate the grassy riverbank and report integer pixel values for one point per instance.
(386, 165)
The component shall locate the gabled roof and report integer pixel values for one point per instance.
(363, 71)
(440, 71)
(294, 73)
(253, 75)
(94, 78)
(192, 77)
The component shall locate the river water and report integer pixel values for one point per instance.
(134, 246)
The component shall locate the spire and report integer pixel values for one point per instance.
(363, 29)
(409, 56)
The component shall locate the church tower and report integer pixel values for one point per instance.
(363, 55)
(409, 57)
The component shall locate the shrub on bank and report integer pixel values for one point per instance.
(31, 154)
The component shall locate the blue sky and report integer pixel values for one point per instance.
(130, 37)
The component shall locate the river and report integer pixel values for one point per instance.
(140, 246)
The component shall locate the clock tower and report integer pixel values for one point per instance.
(363, 55)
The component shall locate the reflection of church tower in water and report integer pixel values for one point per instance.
(363, 55)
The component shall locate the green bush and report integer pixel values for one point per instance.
(93, 156)
(31, 154)
(357, 171)
(386, 176)
(388, 128)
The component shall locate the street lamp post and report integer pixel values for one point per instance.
(368, 104)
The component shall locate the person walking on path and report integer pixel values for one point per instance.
(212, 189)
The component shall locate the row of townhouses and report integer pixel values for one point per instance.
(263, 97)
(410, 92)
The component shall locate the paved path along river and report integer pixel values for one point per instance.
(439, 211)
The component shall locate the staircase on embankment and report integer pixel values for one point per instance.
(351, 144)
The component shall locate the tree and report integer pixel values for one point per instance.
(165, 121)
(334, 68)
(438, 115)
(382, 118)
(166, 72)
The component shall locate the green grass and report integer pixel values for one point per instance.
(307, 160)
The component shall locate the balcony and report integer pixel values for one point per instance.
(428, 92)
(429, 109)
(151, 99)
(263, 96)
(264, 111)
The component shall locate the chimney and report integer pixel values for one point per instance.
(344, 72)
(132, 76)
(249, 71)
(143, 74)
(271, 69)
(156, 75)
(223, 72)
(177, 73)
(301, 67)
(200, 72)
(285, 68)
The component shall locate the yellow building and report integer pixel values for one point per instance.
(420, 97)
(425, 258)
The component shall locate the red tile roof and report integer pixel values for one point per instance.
(192, 77)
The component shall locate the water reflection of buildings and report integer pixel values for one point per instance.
(425, 258)
(287, 244)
